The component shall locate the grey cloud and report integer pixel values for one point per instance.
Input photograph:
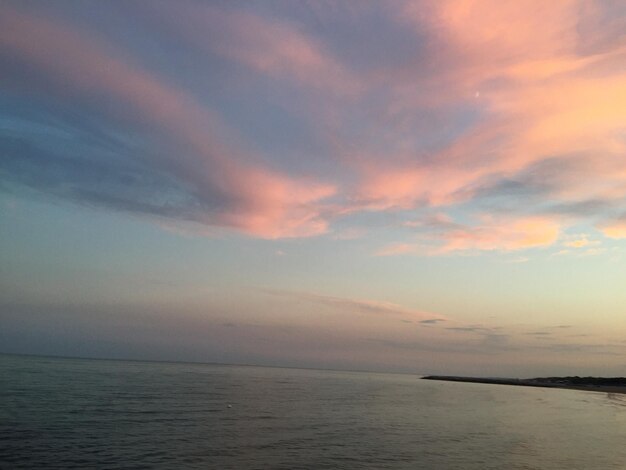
(531, 183)
(488, 345)
(584, 208)
(496, 341)
(93, 175)
(596, 349)
(531, 187)
(432, 321)
(471, 329)
(435, 222)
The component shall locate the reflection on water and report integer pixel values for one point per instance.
(71, 413)
(618, 399)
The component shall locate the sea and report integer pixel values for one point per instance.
(110, 414)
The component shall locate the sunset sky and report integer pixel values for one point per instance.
(428, 186)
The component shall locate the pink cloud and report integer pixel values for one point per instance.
(540, 84)
(276, 48)
(392, 188)
(272, 206)
(542, 87)
(260, 202)
(398, 249)
(384, 187)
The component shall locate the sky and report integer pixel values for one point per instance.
(408, 186)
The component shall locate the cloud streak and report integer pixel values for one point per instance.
(491, 234)
(500, 108)
(364, 306)
(234, 192)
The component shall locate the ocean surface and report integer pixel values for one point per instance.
(79, 413)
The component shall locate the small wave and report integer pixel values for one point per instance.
(618, 399)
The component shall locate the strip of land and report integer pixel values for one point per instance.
(591, 384)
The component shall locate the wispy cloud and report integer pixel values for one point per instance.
(275, 48)
(507, 234)
(579, 241)
(615, 229)
(363, 306)
(224, 185)
(495, 108)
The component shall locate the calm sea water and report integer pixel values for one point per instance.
(76, 413)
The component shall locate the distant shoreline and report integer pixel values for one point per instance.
(590, 384)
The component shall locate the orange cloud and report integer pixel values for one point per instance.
(530, 232)
(489, 234)
(615, 229)
(580, 241)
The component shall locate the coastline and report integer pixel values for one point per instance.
(553, 382)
